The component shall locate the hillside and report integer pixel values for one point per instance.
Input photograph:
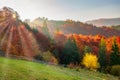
(54, 42)
(16, 38)
(11, 69)
(105, 22)
(73, 27)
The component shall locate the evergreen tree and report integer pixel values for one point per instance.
(102, 54)
(115, 55)
(71, 53)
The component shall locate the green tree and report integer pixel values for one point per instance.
(115, 55)
(102, 54)
(70, 52)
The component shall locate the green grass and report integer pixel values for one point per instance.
(11, 69)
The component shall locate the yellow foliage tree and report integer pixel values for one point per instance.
(90, 61)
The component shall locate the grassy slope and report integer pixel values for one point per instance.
(11, 69)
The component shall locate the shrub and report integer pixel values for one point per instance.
(46, 57)
(115, 70)
(90, 61)
(49, 57)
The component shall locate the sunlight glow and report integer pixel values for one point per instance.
(5, 36)
(9, 42)
(29, 50)
(14, 15)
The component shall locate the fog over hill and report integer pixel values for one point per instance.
(105, 22)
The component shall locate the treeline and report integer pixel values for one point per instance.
(91, 52)
(96, 52)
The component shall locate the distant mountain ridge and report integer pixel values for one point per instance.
(74, 27)
(105, 22)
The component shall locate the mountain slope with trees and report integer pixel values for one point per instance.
(70, 43)
(74, 27)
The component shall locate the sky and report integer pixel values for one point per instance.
(81, 10)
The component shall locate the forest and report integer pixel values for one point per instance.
(93, 49)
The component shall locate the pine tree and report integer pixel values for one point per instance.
(102, 54)
(71, 53)
(115, 57)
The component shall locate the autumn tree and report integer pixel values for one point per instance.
(90, 61)
(115, 55)
(44, 43)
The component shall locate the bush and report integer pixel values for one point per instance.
(46, 57)
(90, 61)
(49, 57)
(115, 70)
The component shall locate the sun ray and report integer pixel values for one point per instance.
(9, 41)
(4, 71)
(29, 42)
(4, 37)
(25, 49)
(26, 38)
(24, 45)
(3, 28)
(32, 41)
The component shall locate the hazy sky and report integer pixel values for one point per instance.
(63, 9)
